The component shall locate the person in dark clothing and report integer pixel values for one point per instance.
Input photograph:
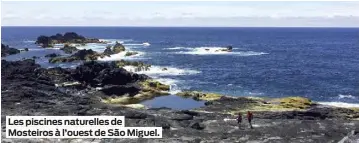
(239, 118)
(250, 118)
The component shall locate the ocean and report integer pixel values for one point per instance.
(318, 63)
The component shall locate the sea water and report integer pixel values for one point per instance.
(319, 63)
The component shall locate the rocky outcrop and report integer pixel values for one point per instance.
(69, 49)
(117, 48)
(99, 74)
(108, 51)
(52, 55)
(227, 49)
(68, 37)
(81, 55)
(130, 53)
(138, 66)
(24, 50)
(6, 50)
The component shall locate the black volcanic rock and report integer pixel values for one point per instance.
(52, 55)
(130, 89)
(117, 48)
(6, 50)
(68, 37)
(108, 51)
(229, 48)
(95, 73)
(69, 49)
(27, 89)
(81, 55)
(9, 69)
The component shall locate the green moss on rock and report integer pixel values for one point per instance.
(200, 95)
(152, 84)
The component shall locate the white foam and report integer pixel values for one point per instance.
(120, 56)
(341, 96)
(159, 71)
(172, 83)
(189, 48)
(217, 51)
(340, 104)
(42, 49)
(179, 48)
(29, 41)
(98, 47)
(58, 46)
(137, 44)
(134, 44)
(113, 41)
(146, 44)
(50, 48)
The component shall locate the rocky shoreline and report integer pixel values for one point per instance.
(28, 89)
(97, 88)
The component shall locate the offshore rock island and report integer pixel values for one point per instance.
(68, 37)
(106, 88)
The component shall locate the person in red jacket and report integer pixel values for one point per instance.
(250, 118)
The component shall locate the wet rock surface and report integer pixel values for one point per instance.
(28, 89)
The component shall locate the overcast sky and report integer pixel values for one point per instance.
(241, 14)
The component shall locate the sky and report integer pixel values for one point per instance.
(185, 13)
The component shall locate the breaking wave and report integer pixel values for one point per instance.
(215, 51)
(29, 41)
(340, 104)
(157, 72)
(121, 56)
(341, 96)
(113, 41)
(162, 71)
(178, 48)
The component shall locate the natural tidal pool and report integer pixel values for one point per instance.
(174, 102)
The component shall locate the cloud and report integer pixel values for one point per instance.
(181, 13)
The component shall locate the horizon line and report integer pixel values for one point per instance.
(185, 26)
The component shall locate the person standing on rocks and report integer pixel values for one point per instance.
(239, 118)
(250, 118)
